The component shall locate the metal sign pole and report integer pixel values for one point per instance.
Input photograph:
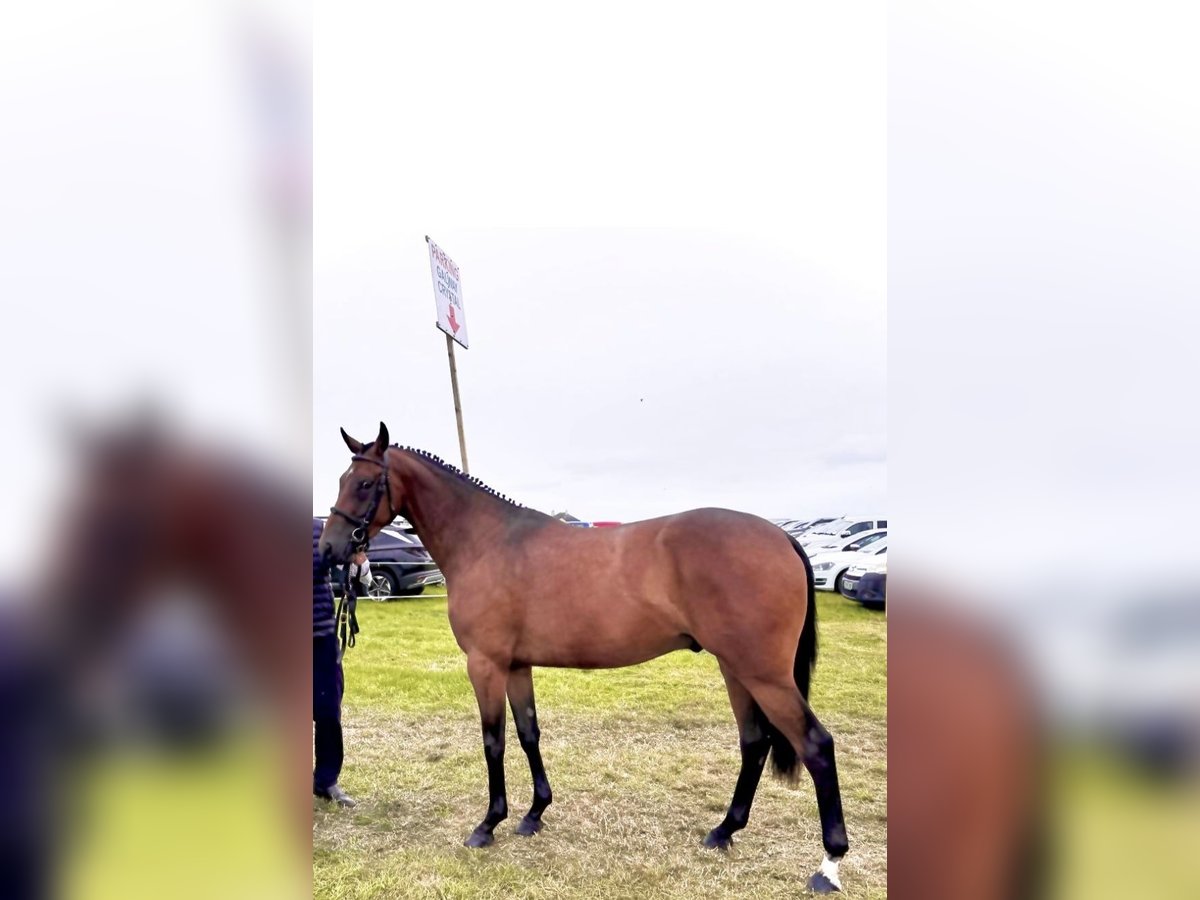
(462, 439)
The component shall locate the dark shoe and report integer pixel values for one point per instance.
(336, 795)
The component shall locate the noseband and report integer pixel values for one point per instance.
(384, 485)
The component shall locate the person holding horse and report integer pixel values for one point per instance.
(328, 683)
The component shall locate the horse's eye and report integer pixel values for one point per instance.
(363, 485)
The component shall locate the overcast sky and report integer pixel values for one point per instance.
(618, 374)
(731, 355)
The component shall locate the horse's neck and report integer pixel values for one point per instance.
(447, 513)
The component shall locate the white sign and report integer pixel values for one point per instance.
(447, 293)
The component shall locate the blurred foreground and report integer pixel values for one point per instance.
(1042, 314)
(1043, 751)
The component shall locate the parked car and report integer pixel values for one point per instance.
(569, 519)
(829, 568)
(825, 543)
(400, 564)
(788, 525)
(844, 527)
(797, 528)
(810, 525)
(872, 587)
(867, 584)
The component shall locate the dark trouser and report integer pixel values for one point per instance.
(327, 712)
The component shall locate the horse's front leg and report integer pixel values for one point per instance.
(520, 696)
(489, 681)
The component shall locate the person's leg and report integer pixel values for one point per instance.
(327, 720)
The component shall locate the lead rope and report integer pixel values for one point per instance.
(347, 621)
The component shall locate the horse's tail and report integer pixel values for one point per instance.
(806, 650)
(783, 754)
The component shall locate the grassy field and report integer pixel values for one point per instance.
(642, 762)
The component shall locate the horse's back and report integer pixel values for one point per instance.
(654, 552)
(695, 550)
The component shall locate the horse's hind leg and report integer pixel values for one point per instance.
(818, 759)
(489, 679)
(520, 697)
(752, 733)
(792, 717)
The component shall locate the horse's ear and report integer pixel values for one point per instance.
(355, 446)
(382, 441)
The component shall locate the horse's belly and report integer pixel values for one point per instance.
(585, 654)
(622, 635)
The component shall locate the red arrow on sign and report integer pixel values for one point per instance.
(453, 324)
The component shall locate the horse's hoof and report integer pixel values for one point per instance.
(718, 840)
(529, 827)
(820, 884)
(479, 839)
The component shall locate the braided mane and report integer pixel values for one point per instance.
(459, 473)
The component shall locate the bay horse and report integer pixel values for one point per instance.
(527, 590)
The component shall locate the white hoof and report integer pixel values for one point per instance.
(826, 880)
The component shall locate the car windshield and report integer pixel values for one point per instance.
(865, 542)
(832, 526)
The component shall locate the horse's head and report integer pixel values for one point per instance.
(364, 503)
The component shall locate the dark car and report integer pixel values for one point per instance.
(866, 587)
(872, 590)
(400, 564)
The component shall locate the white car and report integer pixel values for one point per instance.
(844, 527)
(788, 525)
(829, 568)
(826, 543)
(811, 525)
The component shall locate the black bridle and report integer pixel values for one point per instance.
(382, 486)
